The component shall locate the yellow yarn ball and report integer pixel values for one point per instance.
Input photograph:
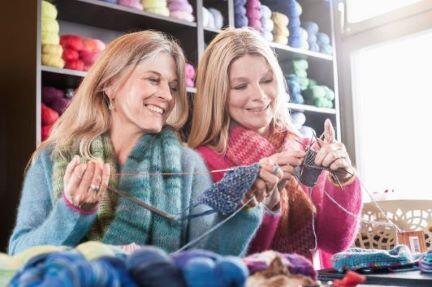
(280, 40)
(50, 25)
(21, 258)
(49, 10)
(94, 249)
(281, 31)
(153, 4)
(52, 61)
(50, 38)
(53, 50)
(160, 11)
(280, 19)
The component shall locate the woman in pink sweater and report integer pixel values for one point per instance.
(240, 118)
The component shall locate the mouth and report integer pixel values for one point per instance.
(258, 109)
(155, 109)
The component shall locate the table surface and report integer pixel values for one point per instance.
(405, 278)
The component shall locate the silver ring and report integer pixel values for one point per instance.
(94, 188)
(277, 170)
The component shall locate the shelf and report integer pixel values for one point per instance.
(309, 108)
(211, 30)
(67, 78)
(288, 53)
(117, 18)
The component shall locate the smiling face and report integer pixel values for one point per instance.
(252, 93)
(144, 101)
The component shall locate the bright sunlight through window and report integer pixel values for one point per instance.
(359, 10)
(392, 85)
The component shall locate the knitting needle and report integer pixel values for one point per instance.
(143, 204)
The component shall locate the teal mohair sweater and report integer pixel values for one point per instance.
(41, 220)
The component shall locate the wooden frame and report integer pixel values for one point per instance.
(415, 240)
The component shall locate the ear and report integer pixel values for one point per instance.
(109, 92)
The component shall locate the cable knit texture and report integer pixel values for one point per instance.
(45, 218)
(292, 230)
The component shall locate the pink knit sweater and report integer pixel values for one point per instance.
(335, 229)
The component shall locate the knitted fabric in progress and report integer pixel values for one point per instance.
(225, 196)
(358, 258)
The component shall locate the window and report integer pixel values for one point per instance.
(360, 10)
(392, 93)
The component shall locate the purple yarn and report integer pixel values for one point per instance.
(295, 42)
(298, 264)
(180, 6)
(294, 23)
(240, 2)
(240, 10)
(49, 94)
(60, 104)
(110, 1)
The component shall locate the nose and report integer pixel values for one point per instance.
(258, 93)
(165, 91)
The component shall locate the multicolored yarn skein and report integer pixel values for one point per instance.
(51, 50)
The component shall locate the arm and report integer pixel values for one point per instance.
(234, 236)
(40, 222)
(337, 229)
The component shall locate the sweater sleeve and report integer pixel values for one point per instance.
(336, 229)
(39, 222)
(232, 237)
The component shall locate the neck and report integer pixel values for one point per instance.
(123, 140)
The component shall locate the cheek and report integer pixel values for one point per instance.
(237, 100)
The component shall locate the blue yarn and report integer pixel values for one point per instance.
(226, 195)
(312, 39)
(323, 39)
(182, 258)
(152, 267)
(294, 23)
(240, 2)
(199, 272)
(311, 27)
(295, 42)
(295, 33)
(241, 21)
(358, 258)
(110, 1)
(231, 272)
(240, 10)
(70, 268)
(314, 47)
(326, 49)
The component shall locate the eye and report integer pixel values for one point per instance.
(153, 80)
(174, 88)
(268, 81)
(240, 87)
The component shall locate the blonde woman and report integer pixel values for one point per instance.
(240, 118)
(119, 132)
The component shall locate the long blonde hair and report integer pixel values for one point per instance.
(211, 120)
(88, 115)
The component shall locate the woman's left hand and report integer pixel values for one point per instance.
(333, 155)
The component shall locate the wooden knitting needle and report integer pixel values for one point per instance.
(143, 204)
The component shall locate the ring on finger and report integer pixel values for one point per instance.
(94, 187)
(276, 170)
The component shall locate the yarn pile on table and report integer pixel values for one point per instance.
(51, 49)
(80, 53)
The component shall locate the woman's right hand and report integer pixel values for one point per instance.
(84, 183)
(288, 161)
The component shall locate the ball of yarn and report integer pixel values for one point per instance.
(207, 21)
(280, 19)
(50, 38)
(311, 27)
(181, 15)
(49, 116)
(240, 10)
(92, 45)
(182, 258)
(283, 40)
(218, 18)
(48, 10)
(267, 24)
(240, 2)
(131, 3)
(54, 50)
(425, 263)
(298, 119)
(164, 11)
(199, 272)
(294, 23)
(52, 61)
(109, 1)
(307, 132)
(94, 249)
(49, 25)
(241, 21)
(70, 54)
(74, 42)
(151, 266)
(75, 65)
(231, 271)
(50, 94)
(180, 6)
(150, 4)
(88, 57)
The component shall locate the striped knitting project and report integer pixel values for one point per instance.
(358, 258)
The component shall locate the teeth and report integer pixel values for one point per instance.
(155, 109)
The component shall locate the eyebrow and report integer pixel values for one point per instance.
(245, 79)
